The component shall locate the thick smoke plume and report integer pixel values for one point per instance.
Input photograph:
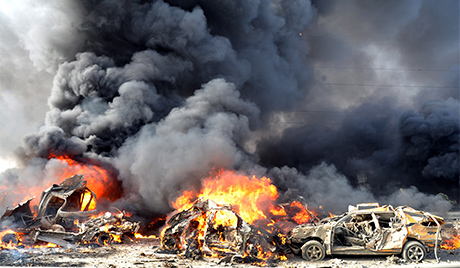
(337, 102)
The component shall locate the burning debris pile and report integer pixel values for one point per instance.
(66, 215)
(244, 225)
(206, 228)
(214, 230)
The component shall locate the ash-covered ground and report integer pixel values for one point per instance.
(144, 254)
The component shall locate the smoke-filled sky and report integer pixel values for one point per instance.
(336, 101)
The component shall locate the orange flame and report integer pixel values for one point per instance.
(97, 179)
(87, 202)
(452, 243)
(225, 218)
(140, 236)
(254, 199)
(10, 239)
(250, 196)
(302, 215)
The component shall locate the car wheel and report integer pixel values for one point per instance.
(414, 251)
(104, 239)
(313, 251)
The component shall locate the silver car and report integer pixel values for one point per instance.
(374, 231)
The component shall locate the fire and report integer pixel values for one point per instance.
(183, 201)
(224, 218)
(97, 179)
(250, 196)
(452, 243)
(253, 199)
(87, 202)
(302, 215)
(140, 236)
(10, 239)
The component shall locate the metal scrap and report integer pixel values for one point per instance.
(67, 215)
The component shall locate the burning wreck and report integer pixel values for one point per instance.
(372, 231)
(67, 214)
(235, 217)
(216, 230)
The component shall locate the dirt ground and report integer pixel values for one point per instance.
(144, 254)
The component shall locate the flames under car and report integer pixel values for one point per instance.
(372, 231)
(67, 214)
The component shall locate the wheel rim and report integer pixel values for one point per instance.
(314, 252)
(415, 253)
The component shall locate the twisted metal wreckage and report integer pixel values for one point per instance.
(66, 215)
(372, 230)
(216, 230)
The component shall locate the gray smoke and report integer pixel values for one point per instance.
(205, 133)
(431, 143)
(164, 92)
(384, 106)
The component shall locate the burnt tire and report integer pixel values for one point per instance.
(313, 251)
(10, 239)
(104, 239)
(414, 251)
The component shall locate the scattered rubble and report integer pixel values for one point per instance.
(145, 254)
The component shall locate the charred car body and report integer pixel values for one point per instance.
(215, 230)
(67, 215)
(374, 231)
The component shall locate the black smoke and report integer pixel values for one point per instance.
(334, 101)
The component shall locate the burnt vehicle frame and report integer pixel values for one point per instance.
(70, 200)
(238, 240)
(376, 231)
(67, 214)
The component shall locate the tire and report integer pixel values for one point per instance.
(413, 251)
(104, 239)
(313, 251)
(10, 238)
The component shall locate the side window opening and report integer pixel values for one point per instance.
(360, 229)
(54, 205)
(80, 200)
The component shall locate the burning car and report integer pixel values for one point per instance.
(215, 230)
(371, 231)
(67, 214)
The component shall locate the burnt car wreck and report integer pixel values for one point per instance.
(67, 214)
(215, 230)
(373, 231)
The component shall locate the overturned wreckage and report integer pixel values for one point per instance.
(215, 230)
(67, 215)
(373, 231)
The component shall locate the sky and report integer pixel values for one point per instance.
(336, 101)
